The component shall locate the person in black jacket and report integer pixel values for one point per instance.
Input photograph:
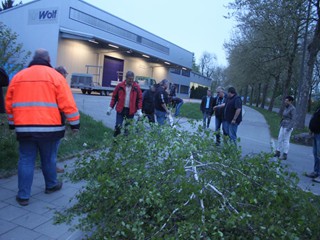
(232, 114)
(220, 101)
(148, 103)
(175, 101)
(206, 107)
(161, 101)
(4, 82)
(314, 127)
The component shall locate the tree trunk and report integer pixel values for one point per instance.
(251, 95)
(274, 92)
(309, 100)
(245, 95)
(264, 95)
(258, 95)
(287, 83)
(291, 59)
(313, 50)
(240, 92)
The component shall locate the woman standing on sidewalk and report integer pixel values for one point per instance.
(286, 127)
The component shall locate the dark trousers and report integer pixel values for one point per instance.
(218, 127)
(151, 117)
(122, 116)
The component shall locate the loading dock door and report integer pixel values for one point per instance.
(111, 68)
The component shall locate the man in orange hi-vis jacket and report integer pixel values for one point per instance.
(35, 99)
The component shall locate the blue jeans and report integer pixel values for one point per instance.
(316, 153)
(28, 151)
(206, 118)
(231, 130)
(161, 117)
(178, 106)
(124, 115)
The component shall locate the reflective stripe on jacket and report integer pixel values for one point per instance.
(36, 98)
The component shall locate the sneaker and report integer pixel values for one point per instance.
(22, 202)
(312, 175)
(317, 179)
(54, 189)
(59, 170)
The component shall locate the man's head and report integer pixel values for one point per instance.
(231, 91)
(209, 93)
(288, 100)
(62, 70)
(165, 84)
(220, 91)
(41, 54)
(129, 78)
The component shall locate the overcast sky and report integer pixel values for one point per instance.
(196, 25)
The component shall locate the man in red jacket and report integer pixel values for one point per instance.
(128, 97)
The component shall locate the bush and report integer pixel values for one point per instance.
(170, 184)
(8, 152)
(199, 92)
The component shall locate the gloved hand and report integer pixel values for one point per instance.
(109, 111)
(170, 118)
(139, 113)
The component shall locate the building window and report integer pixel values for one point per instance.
(185, 73)
(184, 89)
(110, 28)
(175, 70)
(154, 45)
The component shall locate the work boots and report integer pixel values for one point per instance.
(284, 156)
(276, 154)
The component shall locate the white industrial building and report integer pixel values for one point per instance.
(86, 39)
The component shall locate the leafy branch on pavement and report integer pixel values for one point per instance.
(175, 184)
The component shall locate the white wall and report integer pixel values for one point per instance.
(76, 54)
(34, 34)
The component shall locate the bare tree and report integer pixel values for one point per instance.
(6, 4)
(313, 50)
(206, 64)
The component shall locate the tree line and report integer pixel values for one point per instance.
(272, 53)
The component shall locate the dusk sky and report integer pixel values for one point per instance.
(196, 26)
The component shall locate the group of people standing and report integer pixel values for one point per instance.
(227, 108)
(39, 102)
(128, 100)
